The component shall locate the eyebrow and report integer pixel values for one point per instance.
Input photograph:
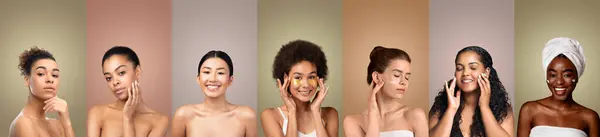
(401, 71)
(314, 72)
(210, 68)
(40, 67)
(105, 73)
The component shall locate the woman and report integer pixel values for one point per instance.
(128, 116)
(559, 115)
(482, 110)
(388, 75)
(300, 68)
(215, 116)
(41, 75)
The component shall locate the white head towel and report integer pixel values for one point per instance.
(568, 47)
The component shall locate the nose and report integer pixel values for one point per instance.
(560, 80)
(49, 79)
(212, 77)
(116, 82)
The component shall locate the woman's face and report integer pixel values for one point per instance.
(396, 78)
(560, 75)
(119, 74)
(304, 81)
(214, 77)
(44, 79)
(468, 69)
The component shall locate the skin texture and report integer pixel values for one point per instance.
(303, 115)
(215, 116)
(560, 109)
(385, 112)
(43, 87)
(128, 116)
(470, 76)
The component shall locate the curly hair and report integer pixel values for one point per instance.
(295, 52)
(28, 57)
(499, 102)
(380, 58)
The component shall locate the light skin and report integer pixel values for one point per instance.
(559, 109)
(303, 115)
(472, 78)
(385, 112)
(43, 87)
(215, 116)
(128, 116)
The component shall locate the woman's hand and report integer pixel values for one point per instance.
(133, 99)
(315, 105)
(484, 87)
(453, 101)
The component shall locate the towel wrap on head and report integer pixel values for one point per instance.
(568, 47)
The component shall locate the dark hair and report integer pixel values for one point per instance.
(499, 102)
(28, 57)
(122, 50)
(217, 54)
(380, 59)
(295, 52)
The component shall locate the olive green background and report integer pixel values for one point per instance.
(282, 21)
(57, 26)
(536, 22)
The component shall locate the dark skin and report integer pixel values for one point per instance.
(559, 110)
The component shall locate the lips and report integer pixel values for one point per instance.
(49, 88)
(401, 90)
(212, 87)
(466, 81)
(120, 90)
(560, 91)
(304, 93)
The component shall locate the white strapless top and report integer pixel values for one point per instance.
(552, 131)
(396, 133)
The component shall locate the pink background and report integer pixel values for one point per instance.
(144, 26)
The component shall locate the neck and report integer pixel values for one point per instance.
(387, 103)
(471, 99)
(562, 104)
(216, 104)
(302, 107)
(120, 104)
(34, 107)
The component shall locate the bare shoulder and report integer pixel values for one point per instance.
(328, 111)
(245, 112)
(185, 111)
(98, 109)
(20, 126)
(355, 119)
(415, 113)
(530, 107)
(590, 115)
(269, 113)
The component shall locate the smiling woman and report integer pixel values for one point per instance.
(215, 116)
(559, 114)
(41, 76)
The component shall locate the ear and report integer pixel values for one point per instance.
(487, 71)
(26, 78)
(230, 80)
(198, 79)
(138, 71)
(375, 76)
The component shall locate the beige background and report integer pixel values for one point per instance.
(144, 26)
(57, 26)
(536, 22)
(282, 21)
(459, 23)
(399, 24)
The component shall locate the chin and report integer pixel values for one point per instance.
(45, 96)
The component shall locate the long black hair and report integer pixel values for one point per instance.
(499, 102)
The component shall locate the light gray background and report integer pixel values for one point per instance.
(201, 26)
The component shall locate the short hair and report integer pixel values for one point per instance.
(295, 52)
(217, 54)
(380, 59)
(29, 57)
(122, 50)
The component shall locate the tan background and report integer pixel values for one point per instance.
(282, 21)
(536, 22)
(57, 26)
(399, 24)
(144, 26)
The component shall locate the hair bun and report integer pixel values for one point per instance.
(376, 51)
